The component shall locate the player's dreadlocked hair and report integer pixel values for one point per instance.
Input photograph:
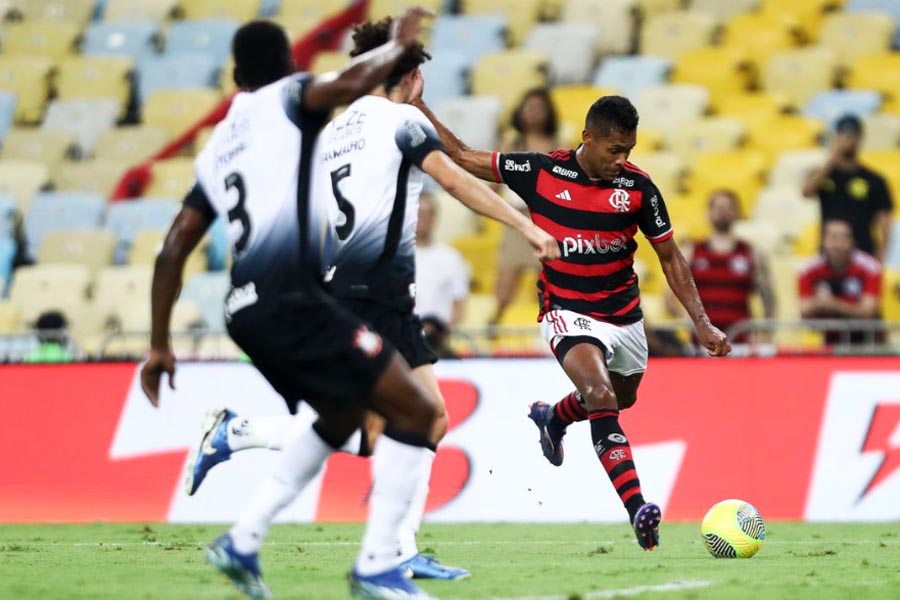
(373, 34)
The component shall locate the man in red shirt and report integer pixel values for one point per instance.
(594, 202)
(843, 283)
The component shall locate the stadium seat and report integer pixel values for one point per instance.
(51, 211)
(139, 10)
(445, 77)
(122, 285)
(800, 74)
(508, 75)
(808, 14)
(218, 254)
(631, 75)
(785, 211)
(723, 71)
(308, 9)
(830, 105)
(241, 11)
(35, 289)
(892, 257)
(10, 317)
(125, 219)
(209, 36)
(688, 213)
(132, 143)
(75, 11)
(176, 72)
(7, 112)
(28, 77)
(614, 20)
(882, 131)
(663, 107)
(890, 7)
(147, 244)
(761, 35)
(666, 169)
(753, 107)
(649, 140)
(806, 242)
(857, 34)
(879, 72)
(572, 103)
(784, 132)
(134, 39)
(712, 134)
(91, 248)
(672, 34)
(172, 178)
(723, 11)
(327, 61)
(568, 47)
(22, 179)
(85, 119)
(741, 171)
(296, 26)
(48, 146)
(84, 77)
(761, 235)
(95, 176)
(8, 251)
(480, 252)
(478, 311)
(47, 39)
(521, 15)
(793, 167)
(470, 36)
(9, 218)
(454, 219)
(202, 138)
(135, 317)
(474, 119)
(208, 291)
(890, 296)
(175, 111)
(885, 163)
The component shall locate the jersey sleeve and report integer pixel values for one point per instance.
(653, 218)
(416, 137)
(197, 199)
(518, 170)
(292, 100)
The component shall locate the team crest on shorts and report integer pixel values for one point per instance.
(368, 342)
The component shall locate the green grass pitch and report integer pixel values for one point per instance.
(508, 562)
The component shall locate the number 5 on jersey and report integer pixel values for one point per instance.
(345, 223)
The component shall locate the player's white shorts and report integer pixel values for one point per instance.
(626, 345)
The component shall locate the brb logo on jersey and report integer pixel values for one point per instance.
(580, 245)
(620, 200)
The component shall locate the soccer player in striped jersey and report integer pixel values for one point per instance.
(594, 201)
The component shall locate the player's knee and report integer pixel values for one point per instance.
(599, 397)
(626, 400)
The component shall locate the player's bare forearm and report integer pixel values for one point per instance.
(476, 162)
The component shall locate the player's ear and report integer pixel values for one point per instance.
(586, 136)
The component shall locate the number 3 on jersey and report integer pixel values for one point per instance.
(239, 212)
(345, 223)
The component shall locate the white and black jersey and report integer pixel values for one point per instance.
(254, 172)
(367, 164)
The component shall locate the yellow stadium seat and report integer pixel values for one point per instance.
(723, 71)
(22, 180)
(132, 143)
(480, 252)
(725, 10)
(807, 13)
(521, 15)
(785, 274)
(172, 178)
(392, 8)
(296, 26)
(613, 40)
(28, 77)
(135, 317)
(453, 218)
(741, 171)
(47, 39)
(48, 146)
(99, 175)
(81, 77)
(649, 8)
(761, 34)
(226, 78)
(36, 288)
(649, 140)
(806, 243)
(663, 107)
(309, 9)
(10, 317)
(76, 11)
(882, 131)
(688, 213)
(508, 75)
(93, 249)
(175, 111)
(792, 167)
(572, 103)
(713, 134)
(329, 61)
(147, 244)
(785, 211)
(853, 35)
(122, 285)
(239, 10)
(135, 10)
(879, 72)
(202, 138)
(478, 311)
(887, 164)
(785, 132)
(753, 107)
(520, 314)
(890, 295)
(666, 169)
(800, 74)
(672, 34)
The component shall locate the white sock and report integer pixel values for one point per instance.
(409, 527)
(259, 432)
(353, 443)
(397, 471)
(301, 461)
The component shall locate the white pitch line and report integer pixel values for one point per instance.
(671, 586)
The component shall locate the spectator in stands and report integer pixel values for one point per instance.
(52, 334)
(535, 123)
(842, 283)
(849, 191)
(727, 270)
(442, 280)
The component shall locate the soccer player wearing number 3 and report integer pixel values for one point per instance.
(594, 201)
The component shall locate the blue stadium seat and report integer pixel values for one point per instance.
(127, 218)
(8, 216)
(445, 77)
(472, 36)
(891, 7)
(829, 105)
(217, 255)
(135, 39)
(208, 291)
(51, 211)
(7, 256)
(209, 36)
(7, 112)
(632, 74)
(175, 72)
(892, 258)
(269, 8)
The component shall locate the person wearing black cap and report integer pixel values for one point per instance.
(849, 191)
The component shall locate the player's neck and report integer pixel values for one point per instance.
(582, 162)
(722, 241)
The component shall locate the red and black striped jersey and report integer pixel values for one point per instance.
(725, 281)
(861, 277)
(595, 223)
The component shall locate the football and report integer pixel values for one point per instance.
(733, 529)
